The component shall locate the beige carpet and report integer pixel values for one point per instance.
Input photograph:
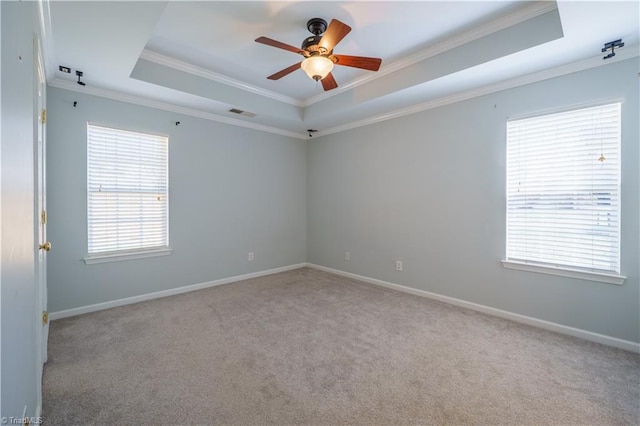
(308, 347)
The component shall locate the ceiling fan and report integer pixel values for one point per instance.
(318, 53)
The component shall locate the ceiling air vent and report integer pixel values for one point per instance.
(241, 112)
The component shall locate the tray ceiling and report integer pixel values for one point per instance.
(200, 57)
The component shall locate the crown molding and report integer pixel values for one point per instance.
(179, 65)
(535, 77)
(501, 23)
(151, 103)
(593, 62)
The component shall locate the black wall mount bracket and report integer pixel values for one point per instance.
(612, 46)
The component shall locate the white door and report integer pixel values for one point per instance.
(43, 246)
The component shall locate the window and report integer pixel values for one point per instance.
(127, 194)
(563, 191)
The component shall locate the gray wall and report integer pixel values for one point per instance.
(429, 189)
(232, 190)
(18, 290)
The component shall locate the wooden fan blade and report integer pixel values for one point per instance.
(329, 82)
(274, 43)
(336, 31)
(286, 71)
(371, 64)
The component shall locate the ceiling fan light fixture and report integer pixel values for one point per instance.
(317, 51)
(317, 67)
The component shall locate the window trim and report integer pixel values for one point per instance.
(564, 271)
(117, 256)
(137, 253)
(567, 108)
(615, 278)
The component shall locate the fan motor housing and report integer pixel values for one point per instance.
(310, 44)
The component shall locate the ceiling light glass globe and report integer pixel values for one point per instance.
(317, 67)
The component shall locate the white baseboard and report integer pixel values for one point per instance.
(170, 292)
(547, 325)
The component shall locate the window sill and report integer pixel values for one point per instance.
(125, 255)
(602, 277)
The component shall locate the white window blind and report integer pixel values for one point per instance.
(127, 182)
(563, 181)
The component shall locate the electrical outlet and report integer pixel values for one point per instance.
(347, 255)
(398, 265)
(250, 257)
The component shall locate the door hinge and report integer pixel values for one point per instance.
(45, 317)
(44, 116)
(43, 217)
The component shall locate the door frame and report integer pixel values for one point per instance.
(40, 225)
